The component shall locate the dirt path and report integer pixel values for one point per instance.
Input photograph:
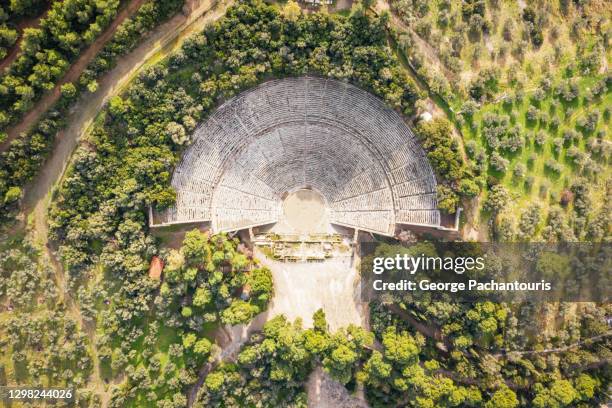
(475, 229)
(420, 43)
(97, 385)
(325, 392)
(164, 39)
(341, 5)
(556, 349)
(434, 332)
(71, 75)
(230, 339)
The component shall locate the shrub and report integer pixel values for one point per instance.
(448, 200)
(497, 199)
(589, 123)
(520, 170)
(513, 140)
(469, 108)
(468, 188)
(471, 147)
(582, 201)
(442, 150)
(553, 166)
(571, 136)
(540, 138)
(498, 162)
(529, 220)
(539, 95)
(485, 84)
(495, 127)
(533, 113)
(12, 195)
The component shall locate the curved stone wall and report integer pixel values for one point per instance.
(304, 132)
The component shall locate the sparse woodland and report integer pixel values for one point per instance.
(527, 87)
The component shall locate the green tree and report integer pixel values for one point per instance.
(563, 393)
(195, 247)
(376, 369)
(503, 398)
(468, 188)
(316, 342)
(400, 347)
(436, 136)
(12, 194)
(262, 286)
(186, 311)
(553, 266)
(202, 297)
(68, 91)
(319, 321)
(448, 200)
(586, 386)
(176, 132)
(92, 86)
(239, 312)
(292, 10)
(214, 381)
(116, 106)
(189, 340)
(497, 199)
(202, 347)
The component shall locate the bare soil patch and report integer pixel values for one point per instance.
(305, 211)
(303, 288)
(325, 392)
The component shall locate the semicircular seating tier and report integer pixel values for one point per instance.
(297, 133)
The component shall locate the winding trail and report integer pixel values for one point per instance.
(230, 339)
(74, 72)
(569, 347)
(435, 333)
(162, 40)
(158, 43)
(431, 331)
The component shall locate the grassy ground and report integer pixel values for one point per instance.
(546, 183)
(428, 43)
